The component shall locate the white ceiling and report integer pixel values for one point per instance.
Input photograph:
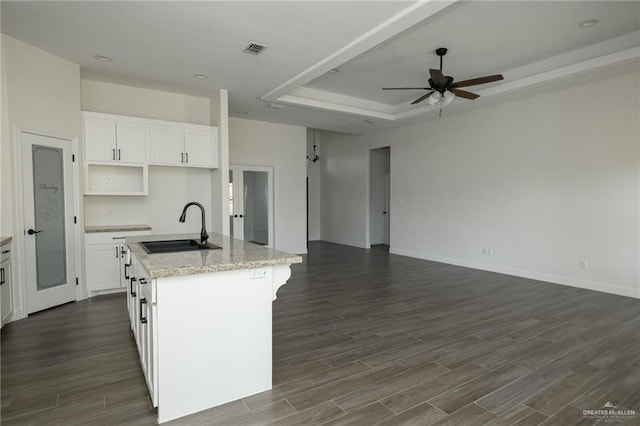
(374, 44)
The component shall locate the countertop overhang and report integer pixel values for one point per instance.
(234, 254)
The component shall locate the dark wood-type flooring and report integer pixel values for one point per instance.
(360, 338)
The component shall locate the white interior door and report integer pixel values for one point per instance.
(50, 248)
(386, 212)
(251, 204)
(377, 210)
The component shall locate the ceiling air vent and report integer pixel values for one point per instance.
(255, 48)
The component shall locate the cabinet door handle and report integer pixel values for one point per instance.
(119, 154)
(131, 280)
(113, 154)
(143, 280)
(118, 238)
(126, 271)
(182, 157)
(2, 276)
(186, 156)
(143, 319)
(6, 251)
(117, 252)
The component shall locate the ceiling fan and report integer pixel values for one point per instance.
(443, 88)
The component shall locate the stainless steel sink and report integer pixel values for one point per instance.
(171, 246)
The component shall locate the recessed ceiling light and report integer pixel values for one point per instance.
(589, 23)
(103, 58)
(276, 106)
(334, 70)
(368, 121)
(200, 76)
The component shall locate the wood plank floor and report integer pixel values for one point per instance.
(360, 338)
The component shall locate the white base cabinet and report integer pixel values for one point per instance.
(204, 339)
(6, 292)
(107, 260)
(143, 315)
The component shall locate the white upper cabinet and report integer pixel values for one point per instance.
(117, 139)
(100, 139)
(201, 148)
(111, 140)
(131, 140)
(166, 145)
(183, 146)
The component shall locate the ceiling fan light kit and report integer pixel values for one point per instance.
(442, 88)
(434, 98)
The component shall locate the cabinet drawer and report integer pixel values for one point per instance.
(112, 237)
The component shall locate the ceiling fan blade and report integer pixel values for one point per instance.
(422, 98)
(406, 88)
(479, 80)
(464, 94)
(438, 78)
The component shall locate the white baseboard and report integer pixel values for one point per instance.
(540, 276)
(345, 243)
(17, 315)
(109, 291)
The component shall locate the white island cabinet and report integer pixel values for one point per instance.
(202, 321)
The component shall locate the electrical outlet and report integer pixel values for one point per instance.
(109, 212)
(109, 180)
(257, 273)
(584, 264)
(406, 240)
(487, 251)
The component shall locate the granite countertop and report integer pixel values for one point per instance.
(116, 228)
(235, 254)
(5, 240)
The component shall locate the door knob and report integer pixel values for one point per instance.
(31, 232)
(384, 212)
(235, 215)
(241, 215)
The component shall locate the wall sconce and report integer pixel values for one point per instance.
(315, 154)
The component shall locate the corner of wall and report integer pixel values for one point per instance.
(219, 111)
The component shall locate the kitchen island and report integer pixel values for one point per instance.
(202, 320)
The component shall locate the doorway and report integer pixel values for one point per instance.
(251, 204)
(49, 222)
(379, 196)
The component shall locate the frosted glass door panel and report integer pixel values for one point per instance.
(48, 198)
(256, 206)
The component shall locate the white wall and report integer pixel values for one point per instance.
(111, 98)
(283, 147)
(313, 173)
(543, 181)
(41, 92)
(6, 153)
(219, 111)
(170, 188)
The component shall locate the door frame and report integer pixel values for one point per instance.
(19, 228)
(367, 217)
(271, 171)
